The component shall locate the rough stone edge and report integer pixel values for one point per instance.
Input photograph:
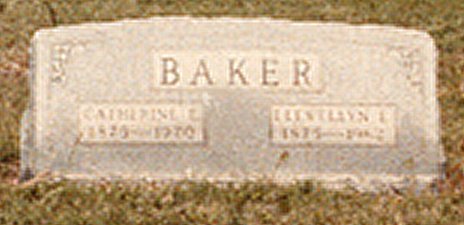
(373, 183)
(26, 146)
(27, 170)
(434, 102)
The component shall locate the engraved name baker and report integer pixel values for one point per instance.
(225, 69)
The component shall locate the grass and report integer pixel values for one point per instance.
(65, 203)
(189, 203)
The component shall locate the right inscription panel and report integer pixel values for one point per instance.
(369, 124)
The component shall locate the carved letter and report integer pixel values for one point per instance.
(236, 71)
(266, 71)
(170, 67)
(301, 72)
(202, 71)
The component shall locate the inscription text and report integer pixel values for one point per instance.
(152, 123)
(332, 124)
(236, 70)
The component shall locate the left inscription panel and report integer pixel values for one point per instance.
(141, 123)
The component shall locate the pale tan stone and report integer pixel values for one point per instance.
(233, 100)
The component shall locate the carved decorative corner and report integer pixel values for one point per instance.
(61, 53)
(410, 60)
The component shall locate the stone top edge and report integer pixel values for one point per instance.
(328, 25)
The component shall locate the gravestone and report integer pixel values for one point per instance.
(169, 99)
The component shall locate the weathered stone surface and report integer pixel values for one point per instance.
(234, 100)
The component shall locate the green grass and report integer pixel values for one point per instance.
(66, 203)
(104, 203)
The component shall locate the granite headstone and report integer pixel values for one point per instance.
(236, 100)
